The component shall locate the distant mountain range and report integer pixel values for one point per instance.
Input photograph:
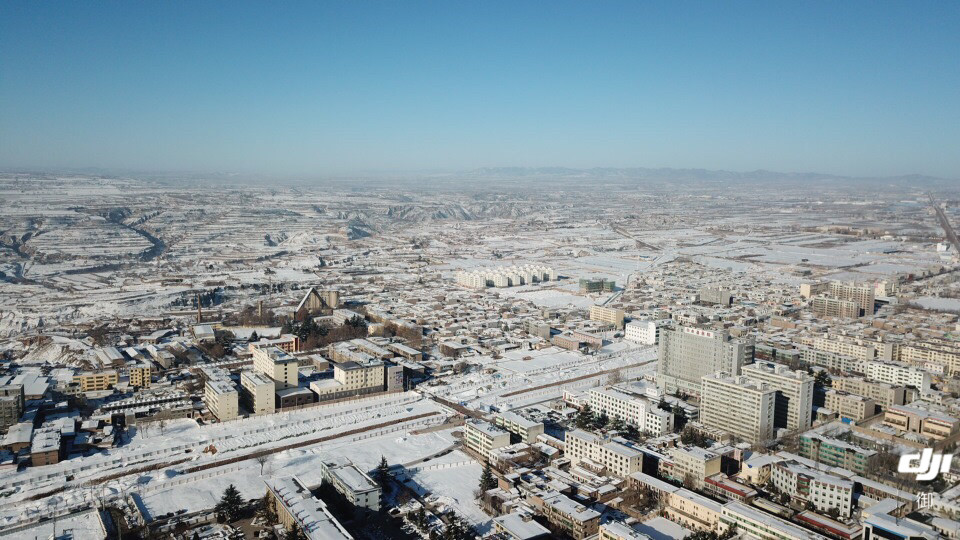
(609, 175)
(701, 175)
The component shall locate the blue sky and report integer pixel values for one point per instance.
(316, 88)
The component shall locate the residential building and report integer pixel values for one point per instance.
(297, 509)
(863, 295)
(884, 394)
(825, 306)
(46, 448)
(140, 375)
(12, 403)
(221, 398)
(636, 410)
(363, 375)
(897, 374)
(595, 285)
(755, 523)
(482, 437)
(824, 490)
(794, 402)
(606, 315)
(739, 406)
(569, 517)
(850, 407)
(355, 485)
(257, 392)
(615, 530)
(716, 295)
(912, 419)
(277, 364)
(93, 381)
(834, 452)
(645, 332)
(516, 526)
(594, 452)
(688, 353)
(691, 465)
(526, 430)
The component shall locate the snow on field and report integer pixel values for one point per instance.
(550, 298)
(454, 484)
(202, 490)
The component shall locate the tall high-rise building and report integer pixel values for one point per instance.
(739, 406)
(794, 402)
(688, 353)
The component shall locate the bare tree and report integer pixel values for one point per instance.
(262, 460)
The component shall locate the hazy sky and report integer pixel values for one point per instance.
(868, 88)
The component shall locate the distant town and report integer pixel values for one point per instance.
(517, 359)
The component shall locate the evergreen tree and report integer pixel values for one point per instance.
(601, 420)
(487, 480)
(679, 417)
(584, 419)
(230, 505)
(382, 473)
(254, 337)
(618, 424)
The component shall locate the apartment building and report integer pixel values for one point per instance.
(482, 437)
(716, 296)
(352, 378)
(288, 343)
(682, 506)
(824, 306)
(862, 295)
(755, 523)
(355, 485)
(645, 332)
(931, 424)
(844, 346)
(794, 402)
(258, 392)
(691, 465)
(569, 517)
(830, 360)
(516, 526)
(526, 430)
(825, 491)
(297, 509)
(834, 452)
(606, 315)
(277, 364)
(94, 381)
(897, 374)
(688, 353)
(636, 410)
(46, 448)
(140, 375)
(512, 276)
(221, 398)
(884, 394)
(595, 452)
(739, 406)
(849, 406)
(595, 285)
(614, 530)
(947, 356)
(12, 402)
